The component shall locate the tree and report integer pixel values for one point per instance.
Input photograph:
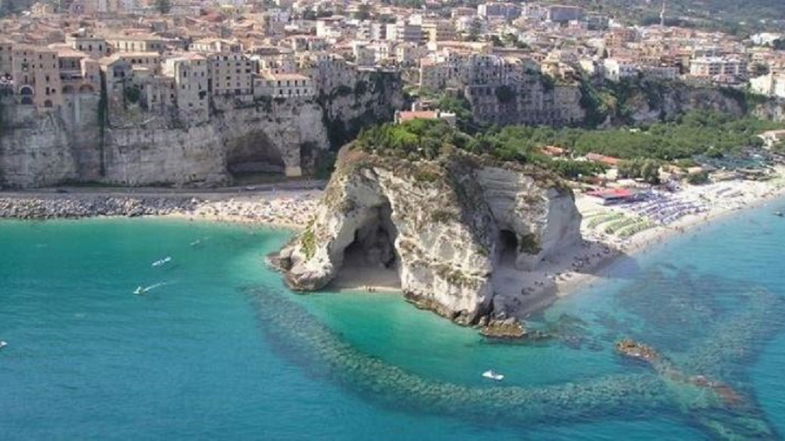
(475, 29)
(759, 69)
(163, 6)
(699, 178)
(363, 12)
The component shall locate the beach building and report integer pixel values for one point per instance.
(615, 195)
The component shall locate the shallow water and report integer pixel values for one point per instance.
(221, 350)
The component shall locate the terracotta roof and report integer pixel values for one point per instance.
(417, 114)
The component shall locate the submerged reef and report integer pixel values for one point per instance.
(700, 395)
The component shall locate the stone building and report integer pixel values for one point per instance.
(94, 47)
(127, 43)
(191, 85)
(36, 76)
(284, 86)
(6, 57)
(216, 45)
(230, 74)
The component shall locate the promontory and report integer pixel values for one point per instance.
(444, 211)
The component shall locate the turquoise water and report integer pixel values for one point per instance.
(219, 349)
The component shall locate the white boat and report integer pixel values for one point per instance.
(3, 344)
(162, 261)
(491, 375)
(139, 290)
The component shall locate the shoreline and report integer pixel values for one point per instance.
(649, 240)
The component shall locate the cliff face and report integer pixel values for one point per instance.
(370, 97)
(444, 226)
(136, 147)
(670, 102)
(142, 149)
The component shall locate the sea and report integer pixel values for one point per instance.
(151, 329)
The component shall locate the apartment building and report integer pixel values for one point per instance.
(6, 57)
(136, 44)
(216, 46)
(616, 69)
(230, 74)
(564, 14)
(707, 67)
(507, 11)
(94, 47)
(439, 30)
(190, 79)
(36, 75)
(149, 62)
(284, 86)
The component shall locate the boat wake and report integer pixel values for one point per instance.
(140, 291)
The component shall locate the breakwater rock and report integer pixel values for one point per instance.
(75, 207)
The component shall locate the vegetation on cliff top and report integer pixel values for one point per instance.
(421, 139)
(696, 133)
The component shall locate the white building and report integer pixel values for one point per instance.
(284, 86)
(615, 69)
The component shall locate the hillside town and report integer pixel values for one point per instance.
(184, 60)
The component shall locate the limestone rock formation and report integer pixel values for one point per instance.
(444, 225)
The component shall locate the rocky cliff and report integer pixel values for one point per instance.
(370, 97)
(636, 102)
(135, 147)
(444, 225)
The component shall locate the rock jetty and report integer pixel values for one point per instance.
(81, 206)
(640, 351)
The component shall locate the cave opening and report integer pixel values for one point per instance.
(371, 260)
(507, 246)
(255, 159)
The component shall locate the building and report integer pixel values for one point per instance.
(616, 69)
(284, 86)
(216, 45)
(507, 11)
(230, 74)
(564, 14)
(149, 62)
(708, 67)
(772, 85)
(190, 79)
(439, 30)
(36, 75)
(94, 47)
(403, 31)
(136, 44)
(6, 58)
(402, 116)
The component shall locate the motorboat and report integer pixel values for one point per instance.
(162, 261)
(778, 213)
(139, 290)
(491, 375)
(3, 344)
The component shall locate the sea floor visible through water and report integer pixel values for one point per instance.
(213, 346)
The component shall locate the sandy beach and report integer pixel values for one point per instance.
(288, 209)
(589, 262)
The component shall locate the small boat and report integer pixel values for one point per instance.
(163, 261)
(139, 290)
(491, 375)
(778, 213)
(3, 344)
